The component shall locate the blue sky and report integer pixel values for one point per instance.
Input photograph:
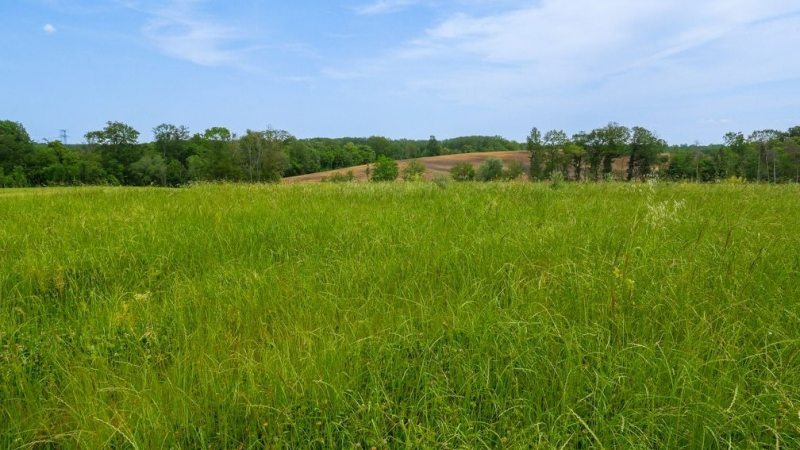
(691, 70)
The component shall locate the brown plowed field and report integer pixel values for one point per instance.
(436, 165)
(441, 165)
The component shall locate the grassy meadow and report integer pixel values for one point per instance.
(408, 315)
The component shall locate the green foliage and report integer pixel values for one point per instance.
(463, 171)
(385, 169)
(514, 170)
(433, 148)
(490, 170)
(265, 159)
(556, 179)
(15, 179)
(536, 151)
(503, 315)
(175, 157)
(644, 149)
(414, 171)
(15, 144)
(441, 181)
(470, 144)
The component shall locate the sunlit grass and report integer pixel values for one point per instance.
(401, 315)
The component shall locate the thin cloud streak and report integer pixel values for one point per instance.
(179, 31)
(571, 44)
(385, 6)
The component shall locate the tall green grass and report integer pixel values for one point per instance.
(402, 315)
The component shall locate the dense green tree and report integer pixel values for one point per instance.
(150, 169)
(302, 159)
(611, 142)
(535, 150)
(513, 171)
(118, 149)
(490, 170)
(792, 148)
(414, 171)
(172, 142)
(385, 169)
(681, 166)
(737, 146)
(15, 145)
(644, 149)
(383, 147)
(265, 157)
(220, 156)
(575, 154)
(433, 148)
(764, 142)
(469, 144)
(463, 171)
(554, 142)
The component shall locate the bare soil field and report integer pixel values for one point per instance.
(440, 165)
(436, 165)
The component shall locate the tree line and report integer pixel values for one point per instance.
(764, 155)
(175, 156)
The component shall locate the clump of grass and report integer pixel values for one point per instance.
(400, 315)
(340, 177)
(557, 179)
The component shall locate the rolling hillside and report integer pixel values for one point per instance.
(436, 165)
(441, 165)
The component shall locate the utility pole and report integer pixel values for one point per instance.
(63, 136)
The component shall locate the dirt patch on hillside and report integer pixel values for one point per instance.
(436, 165)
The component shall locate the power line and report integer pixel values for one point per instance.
(63, 136)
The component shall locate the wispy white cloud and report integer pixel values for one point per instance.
(557, 43)
(179, 30)
(385, 6)
(49, 28)
(559, 60)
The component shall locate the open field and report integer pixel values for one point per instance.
(401, 315)
(435, 165)
(439, 166)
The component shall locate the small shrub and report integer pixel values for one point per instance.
(441, 181)
(514, 170)
(414, 171)
(490, 170)
(340, 177)
(463, 171)
(385, 170)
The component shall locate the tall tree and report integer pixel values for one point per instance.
(15, 145)
(613, 141)
(575, 154)
(118, 149)
(171, 141)
(265, 154)
(792, 148)
(433, 147)
(738, 147)
(554, 143)
(643, 152)
(536, 152)
(764, 141)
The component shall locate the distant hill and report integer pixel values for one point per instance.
(436, 165)
(439, 165)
